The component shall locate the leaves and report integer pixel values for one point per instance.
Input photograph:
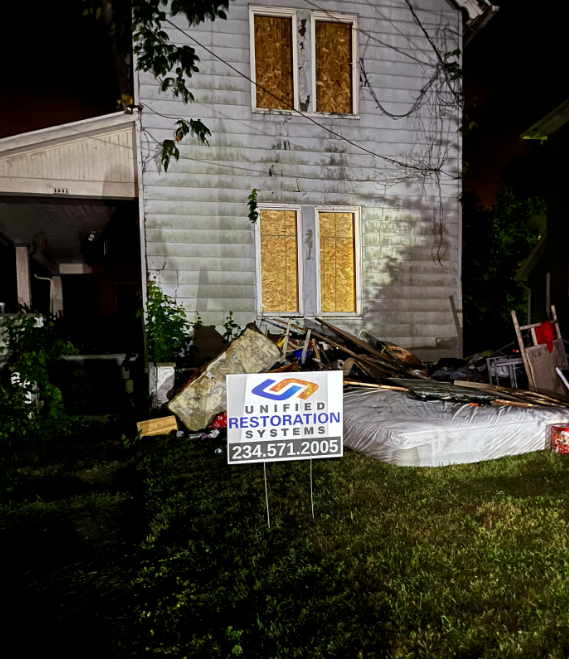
(167, 325)
(232, 329)
(253, 210)
(193, 127)
(172, 64)
(496, 240)
(31, 406)
(169, 150)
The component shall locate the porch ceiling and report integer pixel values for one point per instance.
(57, 230)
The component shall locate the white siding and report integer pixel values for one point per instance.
(87, 158)
(200, 244)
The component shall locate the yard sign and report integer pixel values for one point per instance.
(273, 417)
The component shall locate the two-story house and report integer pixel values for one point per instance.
(344, 117)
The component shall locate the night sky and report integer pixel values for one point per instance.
(61, 70)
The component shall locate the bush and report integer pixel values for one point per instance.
(31, 406)
(167, 326)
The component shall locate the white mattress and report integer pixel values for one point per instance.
(394, 427)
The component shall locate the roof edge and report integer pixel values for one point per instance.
(478, 14)
(532, 259)
(552, 122)
(77, 129)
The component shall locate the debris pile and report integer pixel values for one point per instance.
(287, 346)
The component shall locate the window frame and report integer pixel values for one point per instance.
(337, 17)
(356, 210)
(281, 12)
(299, 262)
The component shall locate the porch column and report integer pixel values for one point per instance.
(23, 276)
(56, 295)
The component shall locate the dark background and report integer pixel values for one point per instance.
(57, 67)
(515, 74)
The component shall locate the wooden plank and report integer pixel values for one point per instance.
(285, 344)
(348, 365)
(305, 347)
(360, 358)
(510, 403)
(457, 324)
(527, 364)
(384, 356)
(162, 426)
(370, 385)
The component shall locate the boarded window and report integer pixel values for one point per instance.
(337, 263)
(279, 260)
(334, 67)
(273, 62)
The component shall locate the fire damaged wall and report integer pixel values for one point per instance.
(200, 244)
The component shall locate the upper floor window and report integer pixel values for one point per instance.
(334, 61)
(273, 59)
(276, 60)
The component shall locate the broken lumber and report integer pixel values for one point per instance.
(162, 426)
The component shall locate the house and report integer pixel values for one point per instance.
(69, 229)
(343, 117)
(545, 272)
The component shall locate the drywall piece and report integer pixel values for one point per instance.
(273, 62)
(164, 382)
(204, 398)
(23, 277)
(334, 67)
(157, 426)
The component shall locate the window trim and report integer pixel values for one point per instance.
(336, 17)
(300, 262)
(282, 12)
(356, 210)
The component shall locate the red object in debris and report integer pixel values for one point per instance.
(560, 438)
(220, 421)
(545, 333)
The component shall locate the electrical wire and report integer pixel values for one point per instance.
(392, 161)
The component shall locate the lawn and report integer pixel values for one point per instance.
(463, 561)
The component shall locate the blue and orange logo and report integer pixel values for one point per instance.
(266, 390)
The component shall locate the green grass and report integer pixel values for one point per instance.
(463, 561)
(162, 549)
(68, 539)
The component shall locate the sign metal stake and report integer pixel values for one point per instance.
(311, 496)
(267, 494)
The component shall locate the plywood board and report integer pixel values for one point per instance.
(337, 262)
(273, 62)
(334, 67)
(279, 260)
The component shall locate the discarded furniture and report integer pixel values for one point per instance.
(397, 428)
(504, 367)
(541, 360)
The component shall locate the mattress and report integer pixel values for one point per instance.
(394, 427)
